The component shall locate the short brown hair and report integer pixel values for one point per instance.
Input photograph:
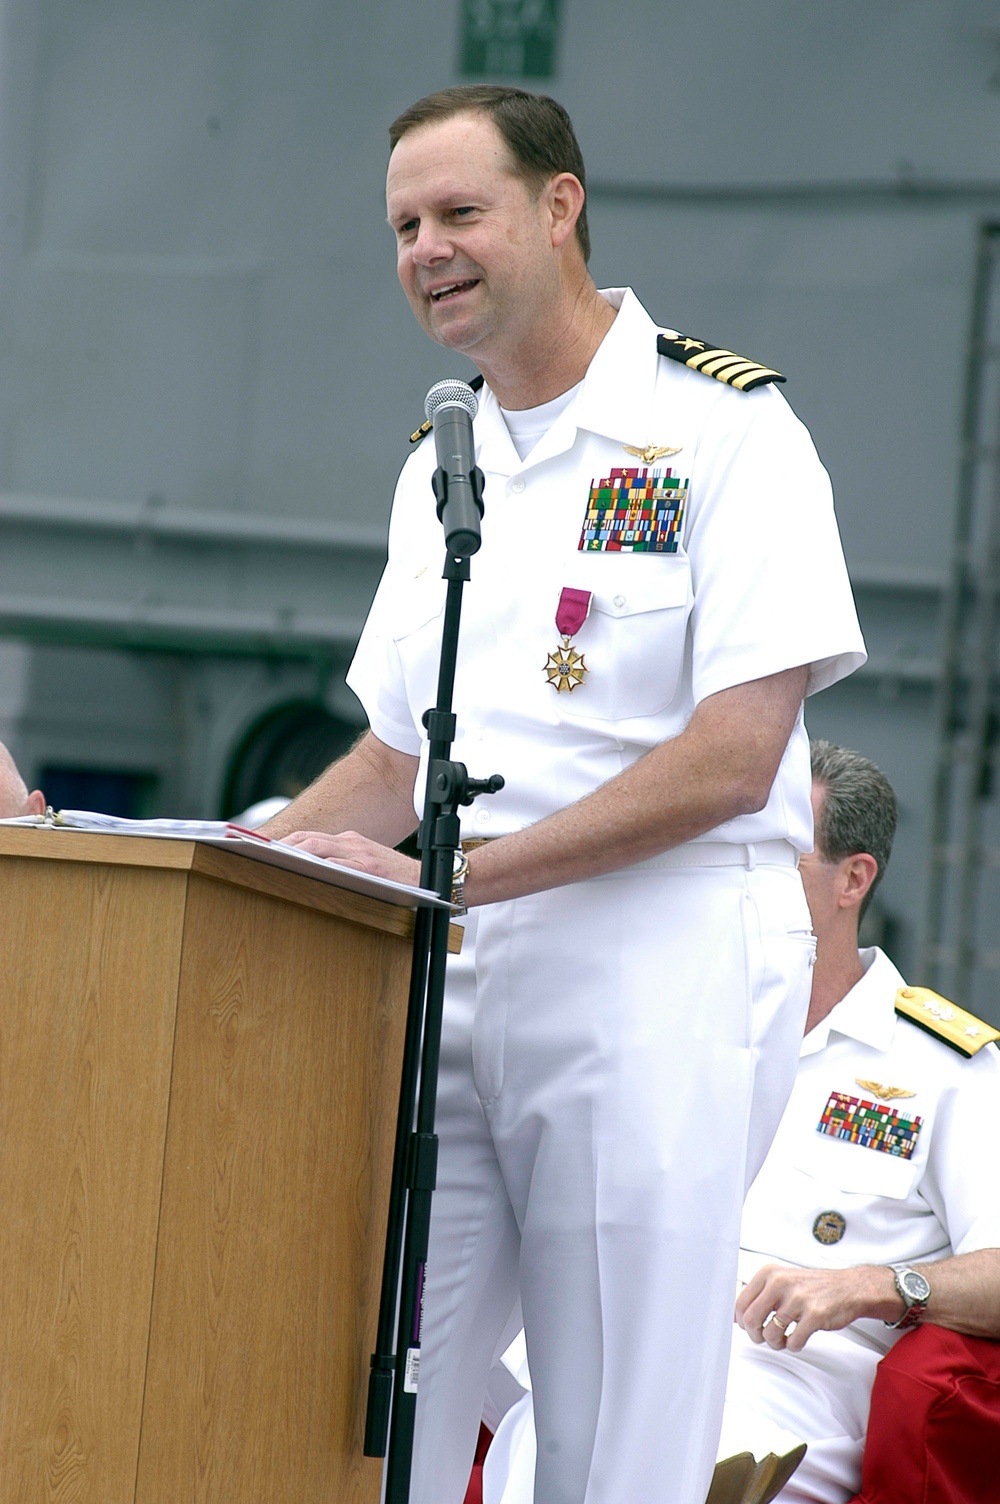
(537, 130)
(859, 811)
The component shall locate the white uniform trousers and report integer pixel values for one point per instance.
(821, 1396)
(615, 1058)
(773, 1402)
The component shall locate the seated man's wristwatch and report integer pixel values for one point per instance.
(915, 1292)
(459, 873)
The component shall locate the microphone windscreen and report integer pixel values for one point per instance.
(451, 393)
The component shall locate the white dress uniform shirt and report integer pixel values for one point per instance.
(871, 1207)
(757, 585)
(943, 1199)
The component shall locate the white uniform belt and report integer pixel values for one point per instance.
(747, 854)
(704, 854)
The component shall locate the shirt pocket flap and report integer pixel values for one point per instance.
(634, 638)
(852, 1167)
(639, 588)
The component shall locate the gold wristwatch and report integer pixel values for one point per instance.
(459, 873)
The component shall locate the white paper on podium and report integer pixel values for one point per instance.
(247, 842)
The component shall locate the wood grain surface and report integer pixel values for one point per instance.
(198, 1088)
(50, 842)
(86, 1035)
(286, 1070)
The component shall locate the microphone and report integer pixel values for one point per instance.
(458, 482)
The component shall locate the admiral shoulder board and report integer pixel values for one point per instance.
(947, 1022)
(725, 365)
(425, 428)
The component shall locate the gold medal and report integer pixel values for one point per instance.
(565, 668)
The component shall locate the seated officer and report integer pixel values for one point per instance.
(878, 1206)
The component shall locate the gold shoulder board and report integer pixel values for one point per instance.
(724, 365)
(946, 1021)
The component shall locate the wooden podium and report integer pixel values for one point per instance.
(199, 1075)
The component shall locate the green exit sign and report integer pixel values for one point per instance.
(509, 38)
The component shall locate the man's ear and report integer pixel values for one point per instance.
(858, 874)
(36, 803)
(565, 197)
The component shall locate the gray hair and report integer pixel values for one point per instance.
(859, 810)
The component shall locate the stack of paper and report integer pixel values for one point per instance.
(234, 838)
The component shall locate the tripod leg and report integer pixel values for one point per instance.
(422, 1168)
(380, 1379)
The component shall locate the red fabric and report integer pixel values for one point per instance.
(474, 1492)
(934, 1430)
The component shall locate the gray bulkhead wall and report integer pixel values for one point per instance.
(209, 372)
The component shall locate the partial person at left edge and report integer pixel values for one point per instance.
(14, 797)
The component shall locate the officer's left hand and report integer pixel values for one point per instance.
(353, 850)
(783, 1307)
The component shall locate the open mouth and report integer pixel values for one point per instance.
(442, 294)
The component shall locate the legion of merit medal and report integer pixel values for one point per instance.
(565, 668)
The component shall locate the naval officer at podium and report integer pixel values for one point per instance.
(659, 587)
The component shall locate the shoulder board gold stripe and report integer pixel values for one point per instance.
(700, 359)
(733, 370)
(757, 377)
(946, 1021)
(729, 366)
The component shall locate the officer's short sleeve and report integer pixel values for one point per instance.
(961, 1182)
(376, 678)
(376, 673)
(770, 584)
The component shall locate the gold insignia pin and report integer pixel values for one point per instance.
(829, 1227)
(884, 1093)
(651, 453)
(692, 344)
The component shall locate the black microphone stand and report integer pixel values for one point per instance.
(392, 1390)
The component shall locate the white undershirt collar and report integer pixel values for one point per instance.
(529, 424)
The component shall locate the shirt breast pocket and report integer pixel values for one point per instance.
(633, 641)
(415, 624)
(853, 1168)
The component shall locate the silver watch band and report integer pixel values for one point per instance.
(915, 1305)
